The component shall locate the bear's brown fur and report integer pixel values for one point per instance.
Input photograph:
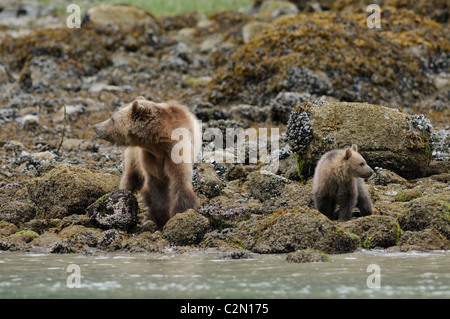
(338, 180)
(145, 129)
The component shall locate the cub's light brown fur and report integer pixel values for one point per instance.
(338, 181)
(145, 129)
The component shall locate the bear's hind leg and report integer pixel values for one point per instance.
(156, 196)
(181, 191)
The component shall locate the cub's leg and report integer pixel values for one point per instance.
(364, 203)
(347, 199)
(326, 205)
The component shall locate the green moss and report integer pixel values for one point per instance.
(238, 243)
(408, 195)
(303, 171)
(446, 209)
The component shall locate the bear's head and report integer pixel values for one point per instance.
(356, 164)
(142, 123)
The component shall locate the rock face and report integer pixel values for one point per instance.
(385, 137)
(117, 209)
(296, 229)
(425, 212)
(69, 189)
(186, 228)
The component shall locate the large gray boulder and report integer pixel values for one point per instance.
(385, 136)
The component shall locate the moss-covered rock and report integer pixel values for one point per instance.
(307, 256)
(187, 228)
(82, 46)
(424, 240)
(294, 229)
(426, 212)
(69, 189)
(374, 231)
(336, 54)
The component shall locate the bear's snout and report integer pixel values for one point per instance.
(96, 129)
(369, 173)
(99, 130)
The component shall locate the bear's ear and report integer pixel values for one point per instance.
(139, 98)
(348, 153)
(138, 112)
(355, 147)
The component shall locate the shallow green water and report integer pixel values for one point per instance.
(402, 275)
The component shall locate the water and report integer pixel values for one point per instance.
(208, 275)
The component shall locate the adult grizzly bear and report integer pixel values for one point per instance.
(146, 130)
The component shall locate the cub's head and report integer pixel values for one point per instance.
(357, 165)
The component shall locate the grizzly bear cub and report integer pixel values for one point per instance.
(338, 180)
(145, 129)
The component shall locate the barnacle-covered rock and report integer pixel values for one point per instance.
(385, 137)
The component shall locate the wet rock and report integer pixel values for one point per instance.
(424, 240)
(74, 144)
(374, 231)
(282, 105)
(69, 189)
(17, 212)
(253, 28)
(63, 247)
(224, 216)
(385, 177)
(46, 241)
(292, 196)
(7, 228)
(296, 229)
(307, 256)
(44, 74)
(110, 241)
(14, 244)
(427, 211)
(206, 181)
(121, 18)
(81, 234)
(265, 185)
(30, 122)
(248, 112)
(270, 10)
(385, 137)
(117, 209)
(187, 228)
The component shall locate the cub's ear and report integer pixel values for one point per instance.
(140, 98)
(138, 112)
(348, 153)
(355, 147)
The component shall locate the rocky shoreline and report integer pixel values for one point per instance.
(258, 69)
